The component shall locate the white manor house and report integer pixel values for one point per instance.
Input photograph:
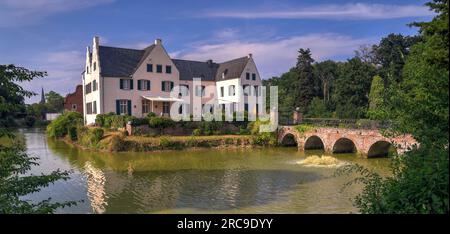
(137, 82)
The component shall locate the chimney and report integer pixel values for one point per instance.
(158, 41)
(209, 62)
(249, 55)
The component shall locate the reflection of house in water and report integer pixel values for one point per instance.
(95, 179)
(135, 191)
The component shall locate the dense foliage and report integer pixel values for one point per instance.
(61, 125)
(417, 104)
(15, 163)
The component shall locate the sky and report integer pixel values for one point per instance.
(52, 35)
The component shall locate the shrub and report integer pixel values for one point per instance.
(160, 123)
(117, 143)
(72, 132)
(197, 132)
(261, 138)
(60, 126)
(96, 135)
(139, 121)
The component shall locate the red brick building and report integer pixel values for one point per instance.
(74, 101)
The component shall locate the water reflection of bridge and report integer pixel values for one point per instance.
(366, 142)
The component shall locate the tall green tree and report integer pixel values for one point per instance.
(326, 72)
(352, 89)
(305, 84)
(12, 95)
(54, 102)
(14, 161)
(417, 105)
(375, 96)
(390, 55)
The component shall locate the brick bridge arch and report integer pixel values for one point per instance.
(364, 142)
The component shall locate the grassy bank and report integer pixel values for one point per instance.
(119, 142)
(69, 127)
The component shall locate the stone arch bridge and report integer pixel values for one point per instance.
(368, 143)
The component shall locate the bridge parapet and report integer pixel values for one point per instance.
(366, 142)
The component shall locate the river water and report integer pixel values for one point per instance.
(194, 181)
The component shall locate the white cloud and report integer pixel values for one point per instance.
(274, 57)
(356, 11)
(226, 33)
(25, 12)
(64, 72)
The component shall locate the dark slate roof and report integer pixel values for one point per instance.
(121, 62)
(232, 68)
(193, 69)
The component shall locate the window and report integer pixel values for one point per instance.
(221, 91)
(200, 90)
(224, 73)
(123, 107)
(246, 107)
(143, 85)
(89, 108)
(95, 66)
(166, 86)
(87, 70)
(253, 76)
(126, 84)
(184, 90)
(158, 68)
(94, 107)
(94, 85)
(246, 90)
(247, 76)
(231, 90)
(74, 107)
(146, 106)
(166, 108)
(168, 69)
(149, 67)
(88, 88)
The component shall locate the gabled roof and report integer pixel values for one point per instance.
(195, 69)
(231, 69)
(121, 62)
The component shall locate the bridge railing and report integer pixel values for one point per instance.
(340, 123)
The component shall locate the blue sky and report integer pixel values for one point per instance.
(52, 35)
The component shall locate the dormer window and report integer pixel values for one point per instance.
(224, 73)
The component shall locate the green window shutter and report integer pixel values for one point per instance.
(121, 83)
(129, 107)
(118, 106)
(131, 84)
(148, 85)
(139, 84)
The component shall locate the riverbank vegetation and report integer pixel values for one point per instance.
(110, 134)
(15, 163)
(417, 102)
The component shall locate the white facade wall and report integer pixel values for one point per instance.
(108, 88)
